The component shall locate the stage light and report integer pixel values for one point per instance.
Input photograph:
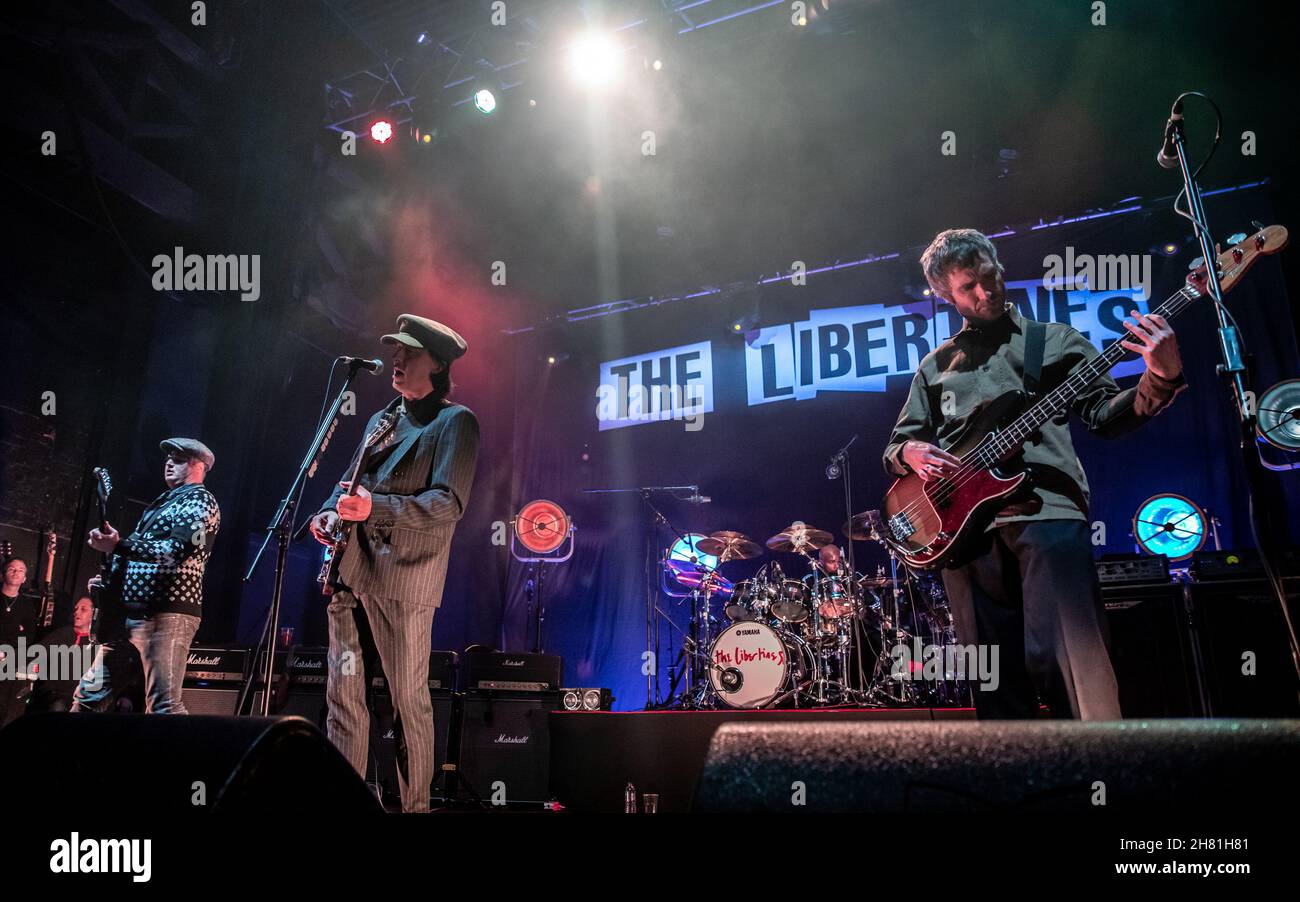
(594, 60)
(485, 101)
(1171, 525)
(381, 130)
(1170, 249)
(422, 38)
(658, 64)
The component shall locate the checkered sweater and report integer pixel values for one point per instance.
(159, 567)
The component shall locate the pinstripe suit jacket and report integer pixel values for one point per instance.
(420, 480)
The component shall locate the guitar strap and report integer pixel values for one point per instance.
(1035, 340)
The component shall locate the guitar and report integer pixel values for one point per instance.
(329, 571)
(926, 524)
(47, 584)
(103, 595)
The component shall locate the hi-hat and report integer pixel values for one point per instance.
(799, 536)
(729, 545)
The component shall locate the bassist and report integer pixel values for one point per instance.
(1028, 584)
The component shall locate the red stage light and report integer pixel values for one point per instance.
(381, 130)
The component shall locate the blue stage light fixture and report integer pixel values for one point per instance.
(1171, 525)
(684, 550)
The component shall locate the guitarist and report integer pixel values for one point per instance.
(392, 573)
(1029, 586)
(157, 586)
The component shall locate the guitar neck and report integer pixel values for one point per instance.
(1010, 440)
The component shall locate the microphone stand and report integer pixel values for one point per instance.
(1233, 371)
(281, 528)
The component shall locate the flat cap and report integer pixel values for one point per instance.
(190, 447)
(441, 341)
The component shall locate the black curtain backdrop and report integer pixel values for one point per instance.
(764, 465)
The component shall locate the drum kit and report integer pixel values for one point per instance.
(826, 638)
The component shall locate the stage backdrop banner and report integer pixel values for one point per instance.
(674, 395)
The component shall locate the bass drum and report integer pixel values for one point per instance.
(753, 664)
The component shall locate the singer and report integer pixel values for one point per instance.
(406, 508)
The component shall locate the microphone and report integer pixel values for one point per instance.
(697, 498)
(374, 365)
(1168, 155)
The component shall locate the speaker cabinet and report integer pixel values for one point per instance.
(148, 766)
(505, 742)
(1151, 651)
(1188, 767)
(1240, 625)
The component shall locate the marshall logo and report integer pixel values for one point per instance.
(511, 662)
(503, 739)
(308, 663)
(202, 660)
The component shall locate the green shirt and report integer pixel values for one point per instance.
(979, 364)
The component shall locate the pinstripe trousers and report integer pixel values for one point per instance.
(401, 630)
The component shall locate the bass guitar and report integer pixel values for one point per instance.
(927, 523)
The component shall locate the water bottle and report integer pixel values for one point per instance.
(629, 799)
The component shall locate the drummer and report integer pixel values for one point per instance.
(831, 561)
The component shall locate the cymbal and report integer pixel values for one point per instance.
(798, 536)
(728, 545)
(694, 576)
(863, 527)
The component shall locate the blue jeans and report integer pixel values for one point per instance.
(161, 643)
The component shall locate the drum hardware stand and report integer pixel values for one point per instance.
(652, 698)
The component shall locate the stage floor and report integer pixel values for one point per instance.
(595, 754)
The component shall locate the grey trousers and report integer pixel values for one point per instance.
(162, 644)
(1032, 590)
(401, 631)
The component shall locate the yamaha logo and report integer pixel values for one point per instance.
(746, 632)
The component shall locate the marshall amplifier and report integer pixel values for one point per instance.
(1115, 569)
(510, 671)
(505, 745)
(382, 770)
(442, 672)
(213, 675)
(300, 677)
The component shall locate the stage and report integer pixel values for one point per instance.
(595, 754)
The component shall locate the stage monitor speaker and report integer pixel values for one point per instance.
(150, 765)
(505, 744)
(1060, 767)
